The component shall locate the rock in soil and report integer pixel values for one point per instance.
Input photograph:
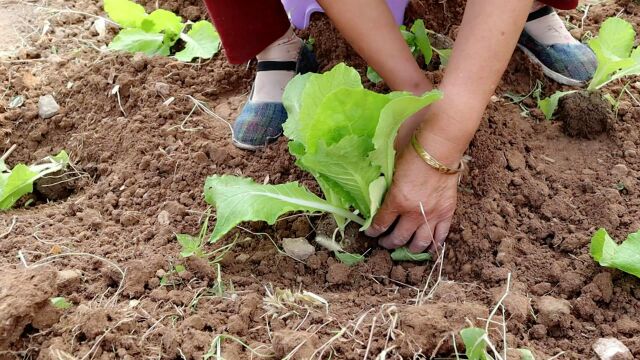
(47, 106)
(611, 349)
(24, 301)
(585, 115)
(552, 310)
(298, 248)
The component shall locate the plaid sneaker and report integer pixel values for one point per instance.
(567, 63)
(260, 123)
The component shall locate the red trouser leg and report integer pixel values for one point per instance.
(247, 27)
(562, 4)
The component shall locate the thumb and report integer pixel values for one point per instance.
(382, 221)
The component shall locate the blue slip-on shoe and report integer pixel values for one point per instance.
(569, 64)
(260, 123)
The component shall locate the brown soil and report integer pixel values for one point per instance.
(528, 207)
(585, 114)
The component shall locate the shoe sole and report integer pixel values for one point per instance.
(244, 146)
(550, 73)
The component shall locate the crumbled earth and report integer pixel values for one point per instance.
(528, 207)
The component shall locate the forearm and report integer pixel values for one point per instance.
(370, 28)
(486, 40)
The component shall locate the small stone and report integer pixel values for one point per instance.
(163, 218)
(577, 33)
(160, 273)
(130, 218)
(338, 273)
(630, 154)
(162, 88)
(620, 170)
(69, 277)
(47, 106)
(242, 258)
(515, 160)
(551, 310)
(298, 248)
(611, 349)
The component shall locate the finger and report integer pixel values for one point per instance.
(382, 221)
(440, 235)
(401, 233)
(422, 239)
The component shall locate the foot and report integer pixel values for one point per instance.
(261, 119)
(547, 42)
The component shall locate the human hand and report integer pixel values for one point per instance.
(421, 200)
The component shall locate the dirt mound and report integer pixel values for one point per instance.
(585, 115)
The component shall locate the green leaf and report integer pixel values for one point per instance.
(550, 104)
(342, 113)
(444, 55)
(391, 117)
(526, 354)
(612, 48)
(422, 40)
(138, 40)
(241, 199)
(625, 257)
(630, 69)
(377, 189)
(16, 184)
(343, 164)
(162, 21)
(403, 254)
(202, 41)
(125, 13)
(190, 245)
(60, 303)
(475, 343)
(305, 93)
(373, 75)
(179, 268)
(349, 259)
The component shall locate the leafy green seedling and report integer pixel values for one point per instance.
(352, 156)
(417, 40)
(616, 59)
(349, 259)
(60, 303)
(475, 343)
(158, 32)
(625, 257)
(16, 182)
(403, 254)
(550, 104)
(340, 133)
(191, 245)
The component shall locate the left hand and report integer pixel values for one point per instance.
(417, 183)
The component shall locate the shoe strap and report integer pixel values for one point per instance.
(277, 66)
(542, 12)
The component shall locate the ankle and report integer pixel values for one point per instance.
(286, 48)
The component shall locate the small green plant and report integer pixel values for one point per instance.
(418, 41)
(158, 32)
(350, 153)
(624, 257)
(194, 245)
(17, 182)
(60, 303)
(616, 59)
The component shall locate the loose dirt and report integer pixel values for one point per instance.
(528, 207)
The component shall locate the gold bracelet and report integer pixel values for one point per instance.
(431, 161)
